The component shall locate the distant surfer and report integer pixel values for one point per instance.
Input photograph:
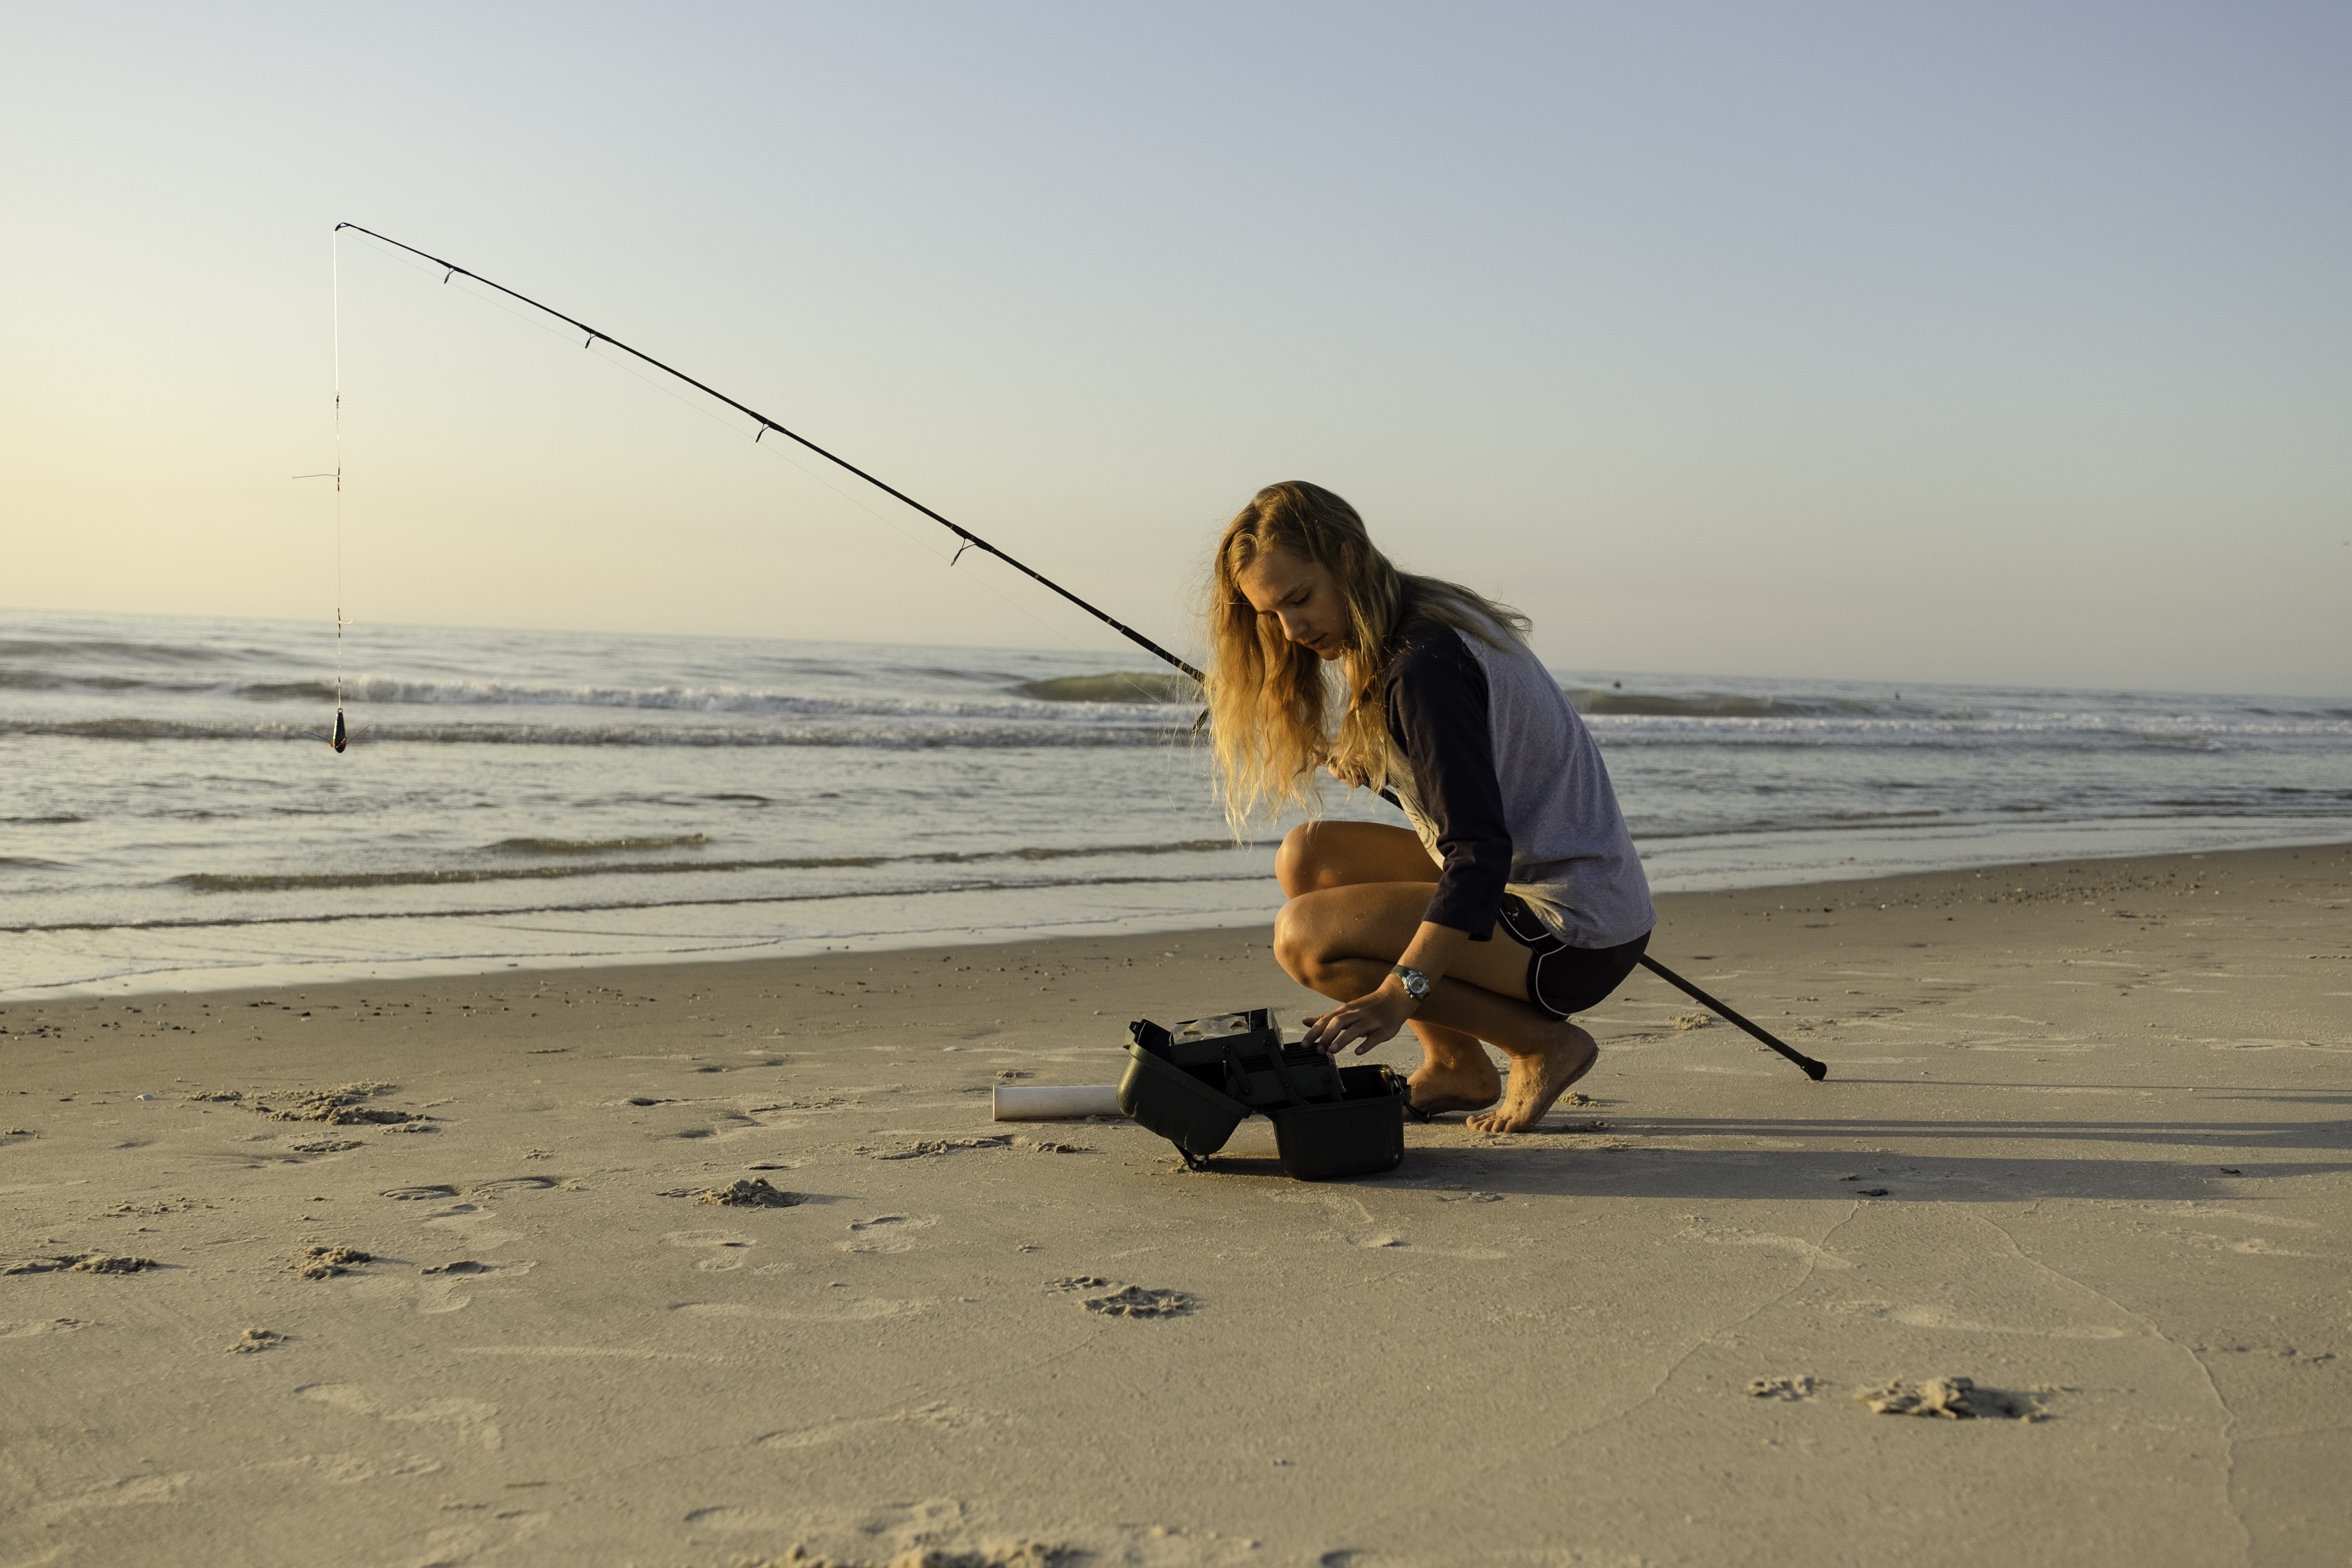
(1516, 901)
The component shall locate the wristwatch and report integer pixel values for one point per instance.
(1416, 984)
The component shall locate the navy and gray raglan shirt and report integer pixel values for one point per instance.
(1506, 787)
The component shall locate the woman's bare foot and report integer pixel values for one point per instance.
(1437, 1088)
(1538, 1080)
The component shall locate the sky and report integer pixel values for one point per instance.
(1998, 342)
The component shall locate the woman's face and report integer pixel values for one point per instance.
(1303, 597)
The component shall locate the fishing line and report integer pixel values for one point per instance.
(339, 739)
(335, 293)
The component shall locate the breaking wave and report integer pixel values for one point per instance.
(897, 737)
(599, 846)
(429, 877)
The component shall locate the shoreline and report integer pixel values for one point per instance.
(1142, 928)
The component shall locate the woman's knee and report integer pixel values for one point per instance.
(1293, 948)
(1296, 865)
(1307, 948)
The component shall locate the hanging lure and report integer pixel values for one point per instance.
(342, 739)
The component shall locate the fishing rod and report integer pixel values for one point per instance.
(1814, 1069)
(971, 540)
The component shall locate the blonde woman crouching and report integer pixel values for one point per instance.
(1516, 899)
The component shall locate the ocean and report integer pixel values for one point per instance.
(172, 817)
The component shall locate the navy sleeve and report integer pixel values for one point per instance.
(1437, 714)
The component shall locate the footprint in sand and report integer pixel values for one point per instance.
(1109, 1298)
(448, 1286)
(884, 1233)
(1950, 1399)
(1923, 1317)
(506, 1186)
(729, 1249)
(472, 1419)
(1792, 1389)
(939, 1416)
(847, 1311)
(130, 1492)
(49, 1326)
(476, 1226)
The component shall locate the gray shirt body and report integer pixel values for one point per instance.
(1506, 790)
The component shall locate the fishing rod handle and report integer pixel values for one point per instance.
(1814, 1069)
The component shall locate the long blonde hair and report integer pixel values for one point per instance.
(1277, 712)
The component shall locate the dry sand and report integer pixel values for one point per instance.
(2085, 1146)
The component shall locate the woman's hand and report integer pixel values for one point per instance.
(1365, 1022)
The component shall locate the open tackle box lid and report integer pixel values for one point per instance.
(1194, 1083)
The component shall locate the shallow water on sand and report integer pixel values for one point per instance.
(170, 815)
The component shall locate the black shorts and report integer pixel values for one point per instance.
(1564, 980)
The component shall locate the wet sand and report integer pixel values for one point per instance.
(432, 1275)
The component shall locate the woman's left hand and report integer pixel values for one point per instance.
(1364, 1023)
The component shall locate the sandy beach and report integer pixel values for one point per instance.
(424, 1272)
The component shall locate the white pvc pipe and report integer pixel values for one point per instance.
(1051, 1103)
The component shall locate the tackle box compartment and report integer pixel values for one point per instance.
(1359, 1136)
(1176, 1104)
(1238, 1053)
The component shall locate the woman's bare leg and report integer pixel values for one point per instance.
(1318, 854)
(1340, 940)
(1455, 1073)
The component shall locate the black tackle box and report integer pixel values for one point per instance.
(1195, 1083)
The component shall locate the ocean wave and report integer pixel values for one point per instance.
(303, 881)
(50, 680)
(38, 648)
(1591, 701)
(1127, 686)
(311, 691)
(428, 877)
(1035, 884)
(754, 700)
(2058, 729)
(1139, 696)
(1972, 821)
(899, 737)
(597, 845)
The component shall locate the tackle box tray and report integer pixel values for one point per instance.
(1193, 1085)
(1238, 1053)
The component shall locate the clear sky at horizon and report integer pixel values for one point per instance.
(2000, 342)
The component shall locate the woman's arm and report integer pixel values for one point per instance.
(1371, 1019)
